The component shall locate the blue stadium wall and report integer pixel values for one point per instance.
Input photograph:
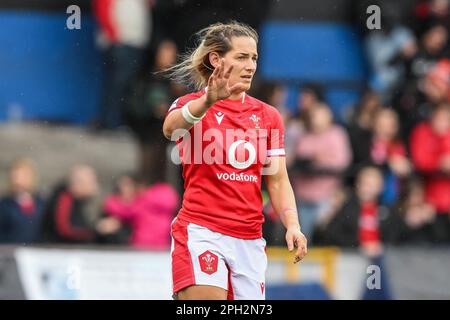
(326, 53)
(49, 72)
(52, 73)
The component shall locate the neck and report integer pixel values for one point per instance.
(382, 138)
(21, 192)
(237, 96)
(365, 199)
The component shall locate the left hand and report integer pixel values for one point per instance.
(296, 239)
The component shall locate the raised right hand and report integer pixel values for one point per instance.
(218, 84)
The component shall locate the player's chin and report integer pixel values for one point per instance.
(246, 85)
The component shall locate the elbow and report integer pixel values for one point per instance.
(167, 130)
(167, 134)
(173, 131)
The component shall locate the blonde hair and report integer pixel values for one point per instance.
(195, 67)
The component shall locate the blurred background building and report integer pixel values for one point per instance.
(88, 190)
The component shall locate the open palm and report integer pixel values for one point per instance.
(218, 84)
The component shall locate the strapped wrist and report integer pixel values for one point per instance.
(187, 115)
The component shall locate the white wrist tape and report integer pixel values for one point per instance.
(187, 115)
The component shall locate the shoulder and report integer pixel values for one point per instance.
(271, 112)
(8, 205)
(6, 200)
(9, 197)
(422, 128)
(339, 132)
(189, 96)
(162, 192)
(38, 198)
(265, 106)
(162, 188)
(181, 101)
(351, 204)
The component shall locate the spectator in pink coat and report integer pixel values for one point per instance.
(148, 210)
(322, 154)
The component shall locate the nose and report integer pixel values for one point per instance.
(250, 65)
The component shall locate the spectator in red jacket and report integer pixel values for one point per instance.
(430, 150)
(382, 147)
(354, 221)
(72, 209)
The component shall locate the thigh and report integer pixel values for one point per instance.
(197, 259)
(203, 292)
(247, 270)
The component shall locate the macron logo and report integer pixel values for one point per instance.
(219, 116)
(174, 105)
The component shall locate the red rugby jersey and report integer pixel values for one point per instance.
(222, 159)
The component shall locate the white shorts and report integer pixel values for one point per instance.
(204, 257)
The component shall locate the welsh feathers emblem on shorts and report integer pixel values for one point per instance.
(208, 262)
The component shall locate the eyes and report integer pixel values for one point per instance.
(243, 58)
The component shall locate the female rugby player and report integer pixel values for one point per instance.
(228, 141)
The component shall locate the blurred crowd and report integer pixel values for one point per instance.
(379, 176)
(135, 213)
(382, 174)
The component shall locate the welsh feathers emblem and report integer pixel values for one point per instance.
(255, 120)
(208, 262)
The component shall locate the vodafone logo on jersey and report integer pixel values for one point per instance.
(232, 154)
(236, 177)
(235, 163)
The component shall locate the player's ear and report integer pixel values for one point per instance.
(214, 59)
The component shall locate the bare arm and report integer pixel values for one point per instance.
(175, 120)
(283, 201)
